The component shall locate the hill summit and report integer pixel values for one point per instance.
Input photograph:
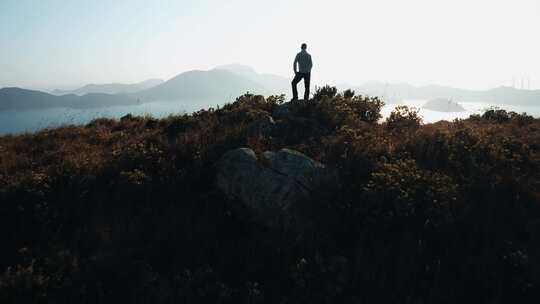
(348, 209)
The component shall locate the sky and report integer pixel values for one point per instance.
(476, 44)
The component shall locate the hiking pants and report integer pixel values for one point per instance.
(296, 80)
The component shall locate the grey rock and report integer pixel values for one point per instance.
(295, 165)
(270, 184)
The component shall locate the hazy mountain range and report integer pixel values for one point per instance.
(274, 84)
(21, 99)
(111, 88)
(224, 83)
(393, 93)
(220, 83)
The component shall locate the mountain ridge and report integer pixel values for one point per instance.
(202, 85)
(13, 98)
(205, 87)
(111, 88)
(498, 95)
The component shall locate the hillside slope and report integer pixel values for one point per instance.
(124, 211)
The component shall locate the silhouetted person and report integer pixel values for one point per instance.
(302, 69)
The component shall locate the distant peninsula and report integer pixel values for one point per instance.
(111, 88)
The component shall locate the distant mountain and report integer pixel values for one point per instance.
(202, 88)
(205, 88)
(21, 99)
(112, 88)
(203, 85)
(501, 95)
(273, 83)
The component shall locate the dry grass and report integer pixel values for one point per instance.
(122, 209)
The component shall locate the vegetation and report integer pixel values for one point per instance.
(126, 211)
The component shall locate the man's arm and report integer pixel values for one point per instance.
(295, 64)
(310, 62)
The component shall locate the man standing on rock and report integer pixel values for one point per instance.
(302, 69)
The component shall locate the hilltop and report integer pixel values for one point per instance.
(136, 209)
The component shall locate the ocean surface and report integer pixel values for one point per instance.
(16, 122)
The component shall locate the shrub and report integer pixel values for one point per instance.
(501, 116)
(325, 92)
(402, 189)
(348, 93)
(496, 115)
(126, 211)
(338, 112)
(403, 119)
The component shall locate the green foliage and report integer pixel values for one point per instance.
(403, 119)
(340, 111)
(402, 189)
(348, 93)
(325, 92)
(501, 116)
(127, 210)
(276, 99)
(496, 115)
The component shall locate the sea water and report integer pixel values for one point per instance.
(16, 122)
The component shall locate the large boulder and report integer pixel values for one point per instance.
(273, 182)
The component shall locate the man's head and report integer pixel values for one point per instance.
(304, 46)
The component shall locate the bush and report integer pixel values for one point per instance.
(325, 92)
(339, 111)
(501, 116)
(496, 115)
(403, 119)
(402, 189)
(348, 93)
(127, 210)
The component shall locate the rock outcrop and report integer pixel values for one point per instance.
(273, 182)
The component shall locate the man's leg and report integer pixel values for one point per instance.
(307, 80)
(294, 82)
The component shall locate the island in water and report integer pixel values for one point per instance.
(443, 105)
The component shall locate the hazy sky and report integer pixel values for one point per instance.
(463, 43)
